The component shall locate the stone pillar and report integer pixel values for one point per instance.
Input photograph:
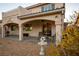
(62, 20)
(20, 32)
(59, 22)
(53, 30)
(58, 33)
(3, 31)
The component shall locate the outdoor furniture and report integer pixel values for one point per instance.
(26, 34)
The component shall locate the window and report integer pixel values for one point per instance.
(13, 28)
(47, 7)
(27, 27)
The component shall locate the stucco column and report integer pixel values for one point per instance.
(53, 30)
(3, 31)
(62, 20)
(20, 32)
(58, 33)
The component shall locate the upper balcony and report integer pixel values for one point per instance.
(49, 8)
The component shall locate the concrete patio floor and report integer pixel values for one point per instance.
(16, 38)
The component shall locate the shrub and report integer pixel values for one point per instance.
(70, 41)
(52, 51)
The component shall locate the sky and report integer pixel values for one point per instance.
(70, 7)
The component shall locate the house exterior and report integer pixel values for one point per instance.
(45, 19)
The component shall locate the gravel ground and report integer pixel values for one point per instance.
(18, 48)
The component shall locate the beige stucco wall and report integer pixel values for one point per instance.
(34, 10)
(36, 28)
(47, 17)
(59, 5)
(11, 16)
(38, 9)
(0, 28)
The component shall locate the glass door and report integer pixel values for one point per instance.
(47, 29)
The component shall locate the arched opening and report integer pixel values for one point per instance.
(37, 28)
(11, 30)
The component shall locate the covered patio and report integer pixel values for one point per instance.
(31, 30)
